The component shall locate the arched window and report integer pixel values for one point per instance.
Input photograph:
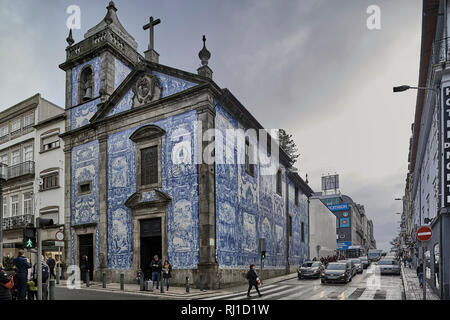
(86, 85)
(279, 181)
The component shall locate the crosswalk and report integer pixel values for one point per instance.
(316, 292)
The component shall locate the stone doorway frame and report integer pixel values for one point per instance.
(81, 230)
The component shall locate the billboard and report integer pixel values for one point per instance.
(339, 207)
(344, 245)
(330, 182)
(445, 187)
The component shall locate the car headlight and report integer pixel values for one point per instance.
(323, 274)
(343, 275)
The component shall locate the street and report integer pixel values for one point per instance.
(62, 293)
(362, 287)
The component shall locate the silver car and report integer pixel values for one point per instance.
(389, 266)
(358, 265)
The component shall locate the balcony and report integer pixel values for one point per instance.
(440, 51)
(21, 169)
(18, 222)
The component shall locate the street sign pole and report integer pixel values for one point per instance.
(424, 234)
(39, 260)
(424, 282)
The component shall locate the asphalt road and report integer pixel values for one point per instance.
(369, 285)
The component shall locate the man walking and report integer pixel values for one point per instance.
(51, 265)
(419, 272)
(156, 267)
(252, 278)
(22, 266)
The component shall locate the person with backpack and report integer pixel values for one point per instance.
(5, 285)
(253, 280)
(45, 274)
(22, 265)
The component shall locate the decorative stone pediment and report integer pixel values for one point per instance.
(146, 89)
(147, 133)
(154, 198)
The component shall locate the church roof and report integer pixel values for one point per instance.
(112, 21)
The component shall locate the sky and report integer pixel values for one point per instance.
(311, 67)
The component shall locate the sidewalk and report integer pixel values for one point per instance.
(175, 292)
(411, 286)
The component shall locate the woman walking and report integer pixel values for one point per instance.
(167, 273)
(253, 279)
(5, 291)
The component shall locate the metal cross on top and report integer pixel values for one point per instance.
(151, 26)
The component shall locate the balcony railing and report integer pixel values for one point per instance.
(20, 169)
(3, 171)
(440, 51)
(17, 222)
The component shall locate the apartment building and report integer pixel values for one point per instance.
(32, 154)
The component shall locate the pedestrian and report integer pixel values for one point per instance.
(156, 271)
(32, 290)
(45, 274)
(253, 279)
(419, 272)
(84, 268)
(409, 262)
(20, 279)
(167, 273)
(51, 265)
(5, 283)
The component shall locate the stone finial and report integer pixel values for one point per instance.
(111, 12)
(204, 56)
(69, 39)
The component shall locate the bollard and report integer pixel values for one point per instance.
(201, 283)
(162, 284)
(122, 281)
(87, 280)
(187, 284)
(104, 279)
(141, 283)
(44, 291)
(52, 289)
(57, 275)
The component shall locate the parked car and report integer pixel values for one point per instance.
(352, 264)
(337, 272)
(310, 269)
(389, 266)
(358, 265)
(365, 262)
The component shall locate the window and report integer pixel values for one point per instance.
(84, 188)
(14, 205)
(279, 189)
(15, 127)
(51, 181)
(149, 165)
(15, 157)
(296, 196)
(290, 225)
(303, 232)
(249, 167)
(27, 203)
(5, 207)
(4, 132)
(269, 144)
(28, 121)
(28, 153)
(86, 85)
(49, 143)
(4, 159)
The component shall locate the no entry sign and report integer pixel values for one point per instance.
(424, 233)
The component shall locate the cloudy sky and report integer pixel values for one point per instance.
(311, 67)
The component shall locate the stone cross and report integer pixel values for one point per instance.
(151, 26)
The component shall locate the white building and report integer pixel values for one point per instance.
(32, 150)
(322, 224)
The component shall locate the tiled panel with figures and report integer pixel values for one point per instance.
(248, 208)
(179, 181)
(80, 116)
(121, 71)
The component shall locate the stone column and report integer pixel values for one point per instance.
(67, 212)
(103, 223)
(107, 75)
(207, 267)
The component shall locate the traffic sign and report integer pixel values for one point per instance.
(59, 243)
(424, 233)
(59, 236)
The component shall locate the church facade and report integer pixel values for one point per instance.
(138, 179)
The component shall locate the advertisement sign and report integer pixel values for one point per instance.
(330, 182)
(339, 207)
(344, 223)
(344, 245)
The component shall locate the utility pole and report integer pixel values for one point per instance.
(39, 259)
